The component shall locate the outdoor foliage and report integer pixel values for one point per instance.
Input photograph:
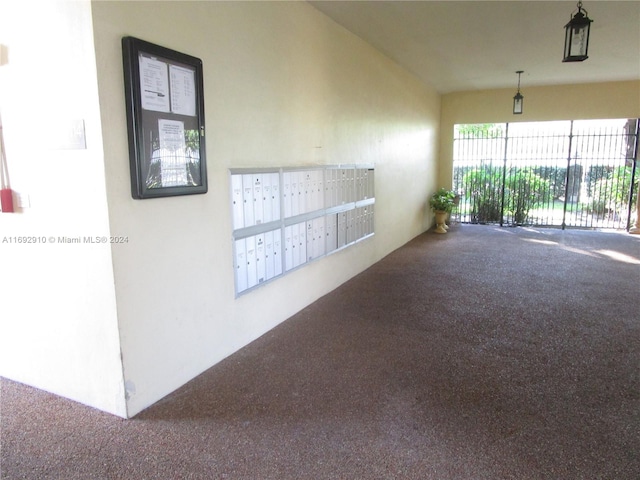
(480, 130)
(609, 191)
(556, 177)
(484, 188)
(524, 190)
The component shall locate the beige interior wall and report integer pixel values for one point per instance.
(284, 86)
(561, 102)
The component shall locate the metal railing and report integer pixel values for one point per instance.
(577, 173)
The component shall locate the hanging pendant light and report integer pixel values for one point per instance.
(518, 99)
(576, 38)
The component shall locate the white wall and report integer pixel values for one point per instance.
(58, 325)
(284, 86)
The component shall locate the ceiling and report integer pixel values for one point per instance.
(476, 45)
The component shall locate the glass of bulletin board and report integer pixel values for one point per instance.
(165, 120)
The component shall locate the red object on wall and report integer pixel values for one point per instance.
(6, 200)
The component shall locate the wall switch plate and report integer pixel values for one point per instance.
(22, 200)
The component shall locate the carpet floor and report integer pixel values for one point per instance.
(486, 353)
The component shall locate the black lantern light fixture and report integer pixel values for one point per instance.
(576, 38)
(518, 99)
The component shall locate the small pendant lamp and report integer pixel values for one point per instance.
(518, 99)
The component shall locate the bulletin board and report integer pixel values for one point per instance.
(165, 120)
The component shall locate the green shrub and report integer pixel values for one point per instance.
(524, 190)
(443, 200)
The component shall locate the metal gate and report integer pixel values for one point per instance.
(576, 173)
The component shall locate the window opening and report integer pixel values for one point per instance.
(577, 173)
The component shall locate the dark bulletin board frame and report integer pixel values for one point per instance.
(164, 92)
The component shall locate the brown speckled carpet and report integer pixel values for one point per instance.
(486, 353)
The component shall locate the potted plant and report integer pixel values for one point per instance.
(442, 202)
